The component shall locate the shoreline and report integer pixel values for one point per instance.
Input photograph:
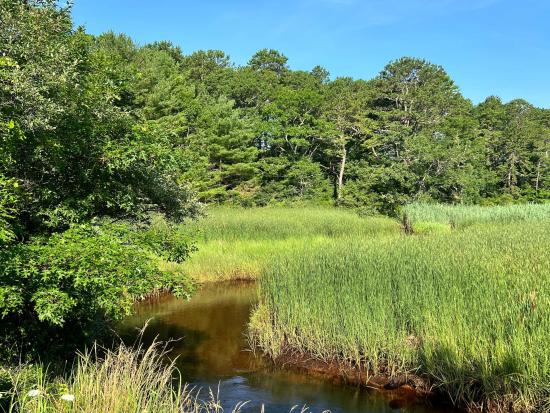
(401, 390)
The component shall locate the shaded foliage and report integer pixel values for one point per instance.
(76, 147)
(57, 291)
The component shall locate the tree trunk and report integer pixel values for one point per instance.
(511, 171)
(537, 180)
(341, 173)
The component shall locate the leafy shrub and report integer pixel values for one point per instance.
(169, 241)
(64, 287)
(7, 201)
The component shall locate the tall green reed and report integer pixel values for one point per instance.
(468, 309)
(464, 215)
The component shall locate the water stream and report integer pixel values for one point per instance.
(212, 352)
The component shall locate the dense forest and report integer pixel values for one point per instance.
(100, 125)
(264, 133)
(97, 133)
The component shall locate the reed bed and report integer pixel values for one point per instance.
(469, 310)
(424, 216)
(466, 305)
(238, 243)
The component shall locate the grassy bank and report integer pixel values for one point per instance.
(239, 243)
(467, 309)
(463, 303)
(126, 380)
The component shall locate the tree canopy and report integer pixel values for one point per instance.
(98, 125)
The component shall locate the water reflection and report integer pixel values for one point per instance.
(211, 351)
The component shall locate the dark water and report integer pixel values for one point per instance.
(212, 353)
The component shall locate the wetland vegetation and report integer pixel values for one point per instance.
(463, 306)
(238, 244)
(467, 310)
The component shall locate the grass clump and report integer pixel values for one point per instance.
(429, 228)
(420, 215)
(126, 380)
(238, 243)
(469, 310)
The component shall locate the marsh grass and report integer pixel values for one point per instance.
(469, 310)
(464, 302)
(126, 380)
(422, 215)
(238, 243)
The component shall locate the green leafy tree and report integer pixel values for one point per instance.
(55, 292)
(226, 139)
(344, 110)
(541, 156)
(425, 131)
(269, 60)
(517, 141)
(209, 70)
(79, 141)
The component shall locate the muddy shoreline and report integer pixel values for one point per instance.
(401, 390)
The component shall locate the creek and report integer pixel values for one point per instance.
(207, 334)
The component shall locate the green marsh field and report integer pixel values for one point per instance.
(463, 302)
(239, 244)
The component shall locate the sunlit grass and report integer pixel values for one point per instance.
(464, 301)
(238, 243)
(469, 308)
(421, 215)
(127, 380)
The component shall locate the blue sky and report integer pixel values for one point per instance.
(489, 47)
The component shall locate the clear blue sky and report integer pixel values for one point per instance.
(499, 47)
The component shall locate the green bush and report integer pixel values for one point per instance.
(64, 287)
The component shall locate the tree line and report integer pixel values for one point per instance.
(263, 133)
(99, 125)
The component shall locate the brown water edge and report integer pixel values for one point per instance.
(399, 389)
(211, 346)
